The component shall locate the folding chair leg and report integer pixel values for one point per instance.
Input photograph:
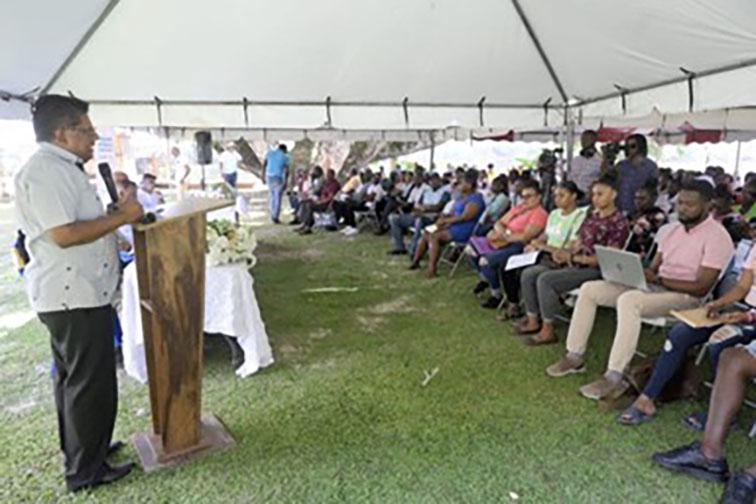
(752, 434)
(456, 263)
(502, 303)
(701, 354)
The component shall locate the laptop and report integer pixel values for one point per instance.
(621, 267)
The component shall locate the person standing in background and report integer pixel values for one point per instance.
(229, 161)
(634, 172)
(586, 167)
(181, 169)
(276, 175)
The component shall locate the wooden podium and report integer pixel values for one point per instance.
(170, 260)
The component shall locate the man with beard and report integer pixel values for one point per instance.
(691, 254)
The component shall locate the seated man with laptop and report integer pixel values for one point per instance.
(691, 254)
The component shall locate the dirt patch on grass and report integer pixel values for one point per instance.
(370, 324)
(271, 253)
(320, 334)
(22, 407)
(402, 304)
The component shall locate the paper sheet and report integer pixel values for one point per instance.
(522, 260)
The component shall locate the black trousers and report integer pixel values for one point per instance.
(345, 210)
(85, 388)
(308, 209)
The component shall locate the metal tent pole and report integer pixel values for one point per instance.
(569, 139)
(432, 150)
(737, 160)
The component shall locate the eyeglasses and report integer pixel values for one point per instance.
(632, 146)
(84, 131)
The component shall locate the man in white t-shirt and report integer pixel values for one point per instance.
(181, 169)
(147, 195)
(229, 161)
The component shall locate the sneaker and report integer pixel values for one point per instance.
(741, 489)
(491, 303)
(689, 460)
(603, 388)
(480, 287)
(565, 367)
(397, 252)
(351, 231)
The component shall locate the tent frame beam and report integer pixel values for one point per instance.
(315, 103)
(80, 45)
(541, 52)
(669, 82)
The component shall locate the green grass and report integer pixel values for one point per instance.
(342, 415)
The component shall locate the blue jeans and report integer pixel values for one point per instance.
(230, 178)
(681, 338)
(294, 202)
(276, 185)
(400, 223)
(497, 260)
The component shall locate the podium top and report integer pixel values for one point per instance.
(185, 208)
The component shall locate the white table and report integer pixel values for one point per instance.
(230, 309)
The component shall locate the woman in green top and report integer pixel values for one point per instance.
(561, 229)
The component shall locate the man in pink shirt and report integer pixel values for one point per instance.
(691, 255)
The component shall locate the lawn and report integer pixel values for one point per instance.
(343, 416)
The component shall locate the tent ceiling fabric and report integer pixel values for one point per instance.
(288, 56)
(36, 36)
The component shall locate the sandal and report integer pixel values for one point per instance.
(522, 331)
(697, 421)
(537, 340)
(633, 416)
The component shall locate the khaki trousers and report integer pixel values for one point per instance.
(631, 305)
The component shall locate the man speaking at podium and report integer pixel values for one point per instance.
(71, 280)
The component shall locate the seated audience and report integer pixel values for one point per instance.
(372, 193)
(496, 205)
(147, 195)
(457, 227)
(543, 284)
(428, 209)
(404, 198)
(352, 198)
(664, 190)
(705, 460)
(562, 229)
(329, 190)
(645, 221)
(722, 204)
(508, 237)
(691, 254)
(682, 338)
(295, 193)
(310, 191)
(547, 162)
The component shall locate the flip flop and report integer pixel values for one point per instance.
(633, 416)
(697, 421)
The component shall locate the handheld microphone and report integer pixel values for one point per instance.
(107, 177)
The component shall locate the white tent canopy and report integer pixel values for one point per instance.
(380, 66)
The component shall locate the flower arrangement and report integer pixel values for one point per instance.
(227, 243)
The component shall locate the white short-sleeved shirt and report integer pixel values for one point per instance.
(52, 191)
(229, 162)
(149, 201)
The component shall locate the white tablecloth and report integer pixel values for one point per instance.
(230, 309)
